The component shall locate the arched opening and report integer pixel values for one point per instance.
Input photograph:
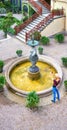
(48, 1)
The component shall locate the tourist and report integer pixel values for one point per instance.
(55, 91)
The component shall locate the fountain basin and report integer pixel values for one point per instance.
(18, 61)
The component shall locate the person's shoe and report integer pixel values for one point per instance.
(53, 101)
(57, 99)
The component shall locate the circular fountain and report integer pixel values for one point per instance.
(23, 77)
(18, 78)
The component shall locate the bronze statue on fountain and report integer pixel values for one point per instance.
(33, 72)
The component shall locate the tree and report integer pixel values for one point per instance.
(7, 22)
(2, 1)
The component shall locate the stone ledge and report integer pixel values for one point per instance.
(4, 39)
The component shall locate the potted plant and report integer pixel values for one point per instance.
(44, 40)
(64, 61)
(2, 82)
(1, 65)
(32, 100)
(36, 35)
(65, 84)
(40, 50)
(19, 52)
(59, 38)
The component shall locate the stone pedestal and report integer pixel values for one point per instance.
(34, 76)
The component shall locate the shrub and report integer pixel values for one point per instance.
(32, 99)
(1, 63)
(25, 18)
(2, 5)
(11, 30)
(31, 11)
(65, 84)
(40, 50)
(44, 40)
(2, 10)
(14, 8)
(59, 38)
(7, 5)
(19, 52)
(64, 61)
(36, 35)
(2, 81)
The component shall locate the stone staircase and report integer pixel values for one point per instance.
(22, 34)
(44, 9)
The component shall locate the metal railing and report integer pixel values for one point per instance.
(59, 12)
(34, 16)
(39, 26)
(23, 25)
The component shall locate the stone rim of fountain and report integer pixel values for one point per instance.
(17, 61)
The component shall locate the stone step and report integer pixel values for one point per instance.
(20, 38)
(22, 35)
(38, 20)
(27, 29)
(30, 27)
(44, 9)
(24, 30)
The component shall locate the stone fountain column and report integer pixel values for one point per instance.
(33, 71)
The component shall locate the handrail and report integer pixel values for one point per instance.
(23, 25)
(57, 12)
(45, 4)
(37, 27)
(39, 8)
(43, 22)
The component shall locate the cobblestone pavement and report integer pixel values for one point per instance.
(14, 115)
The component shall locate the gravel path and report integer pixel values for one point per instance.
(48, 116)
(15, 116)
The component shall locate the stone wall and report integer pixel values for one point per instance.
(54, 27)
(58, 4)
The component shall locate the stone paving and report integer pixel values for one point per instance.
(13, 113)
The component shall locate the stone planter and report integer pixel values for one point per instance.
(19, 53)
(40, 50)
